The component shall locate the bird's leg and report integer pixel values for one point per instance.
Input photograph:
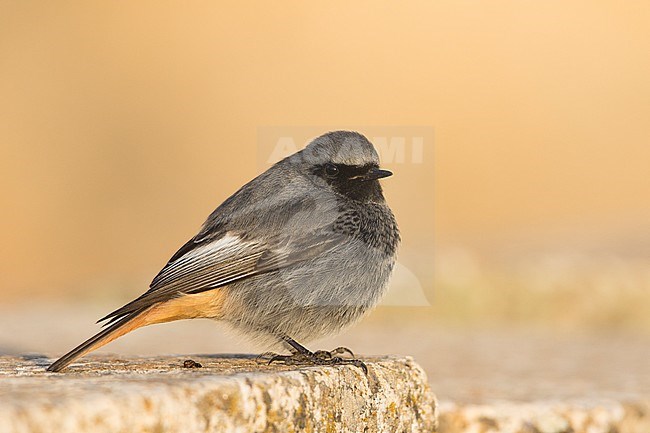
(300, 355)
(295, 347)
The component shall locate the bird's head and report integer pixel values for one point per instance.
(345, 162)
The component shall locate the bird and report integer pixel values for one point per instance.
(303, 251)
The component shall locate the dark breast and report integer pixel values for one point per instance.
(371, 223)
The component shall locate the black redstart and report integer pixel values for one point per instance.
(298, 253)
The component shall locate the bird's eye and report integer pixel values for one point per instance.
(331, 170)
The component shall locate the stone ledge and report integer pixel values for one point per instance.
(230, 393)
(596, 416)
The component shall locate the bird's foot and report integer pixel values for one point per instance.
(319, 357)
(333, 353)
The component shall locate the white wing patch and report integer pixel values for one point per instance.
(215, 263)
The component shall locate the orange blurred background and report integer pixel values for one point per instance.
(123, 124)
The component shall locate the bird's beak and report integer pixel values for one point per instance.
(376, 173)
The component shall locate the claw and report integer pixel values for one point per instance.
(320, 357)
(263, 356)
(277, 358)
(341, 351)
(360, 364)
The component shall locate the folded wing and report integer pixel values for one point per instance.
(214, 263)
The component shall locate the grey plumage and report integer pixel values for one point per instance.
(301, 251)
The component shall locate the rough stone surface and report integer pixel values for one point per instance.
(229, 393)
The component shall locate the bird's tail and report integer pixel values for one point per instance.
(123, 326)
(205, 304)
